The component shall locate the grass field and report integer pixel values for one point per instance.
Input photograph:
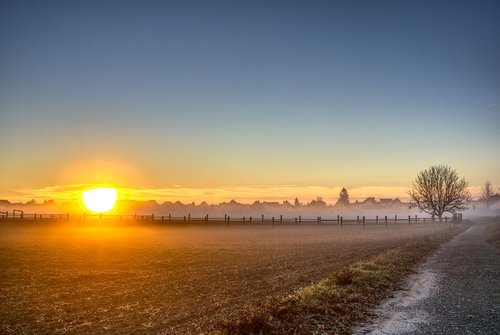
(82, 278)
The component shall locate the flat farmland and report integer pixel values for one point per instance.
(117, 277)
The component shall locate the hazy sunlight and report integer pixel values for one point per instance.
(100, 200)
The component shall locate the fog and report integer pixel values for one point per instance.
(370, 208)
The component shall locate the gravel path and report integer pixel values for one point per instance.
(457, 291)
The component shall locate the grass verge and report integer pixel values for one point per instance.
(334, 304)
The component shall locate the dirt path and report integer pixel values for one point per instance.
(457, 291)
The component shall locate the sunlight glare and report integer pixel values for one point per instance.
(100, 200)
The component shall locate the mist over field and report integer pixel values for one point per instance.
(370, 207)
(234, 168)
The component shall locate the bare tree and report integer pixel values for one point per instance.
(487, 192)
(438, 190)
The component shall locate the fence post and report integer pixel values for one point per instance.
(357, 219)
(228, 220)
(395, 219)
(409, 219)
(225, 217)
(162, 218)
(169, 217)
(262, 218)
(189, 217)
(281, 219)
(376, 219)
(338, 219)
(386, 220)
(295, 220)
(300, 218)
(152, 217)
(341, 221)
(363, 220)
(317, 219)
(250, 219)
(243, 219)
(273, 220)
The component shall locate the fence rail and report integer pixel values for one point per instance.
(18, 215)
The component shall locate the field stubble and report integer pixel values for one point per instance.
(117, 278)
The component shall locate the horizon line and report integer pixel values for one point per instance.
(213, 195)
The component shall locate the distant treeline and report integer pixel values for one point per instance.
(369, 206)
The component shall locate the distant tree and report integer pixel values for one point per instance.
(487, 192)
(319, 202)
(31, 202)
(296, 203)
(257, 203)
(438, 190)
(343, 198)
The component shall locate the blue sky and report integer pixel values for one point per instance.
(198, 94)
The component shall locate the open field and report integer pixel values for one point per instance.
(122, 278)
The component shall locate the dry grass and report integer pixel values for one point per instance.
(334, 304)
(124, 279)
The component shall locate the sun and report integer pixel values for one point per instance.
(100, 200)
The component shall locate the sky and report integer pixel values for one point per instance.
(270, 100)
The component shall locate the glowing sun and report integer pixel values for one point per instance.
(100, 200)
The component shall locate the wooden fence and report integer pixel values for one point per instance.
(18, 215)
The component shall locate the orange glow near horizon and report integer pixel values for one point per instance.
(68, 198)
(72, 194)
